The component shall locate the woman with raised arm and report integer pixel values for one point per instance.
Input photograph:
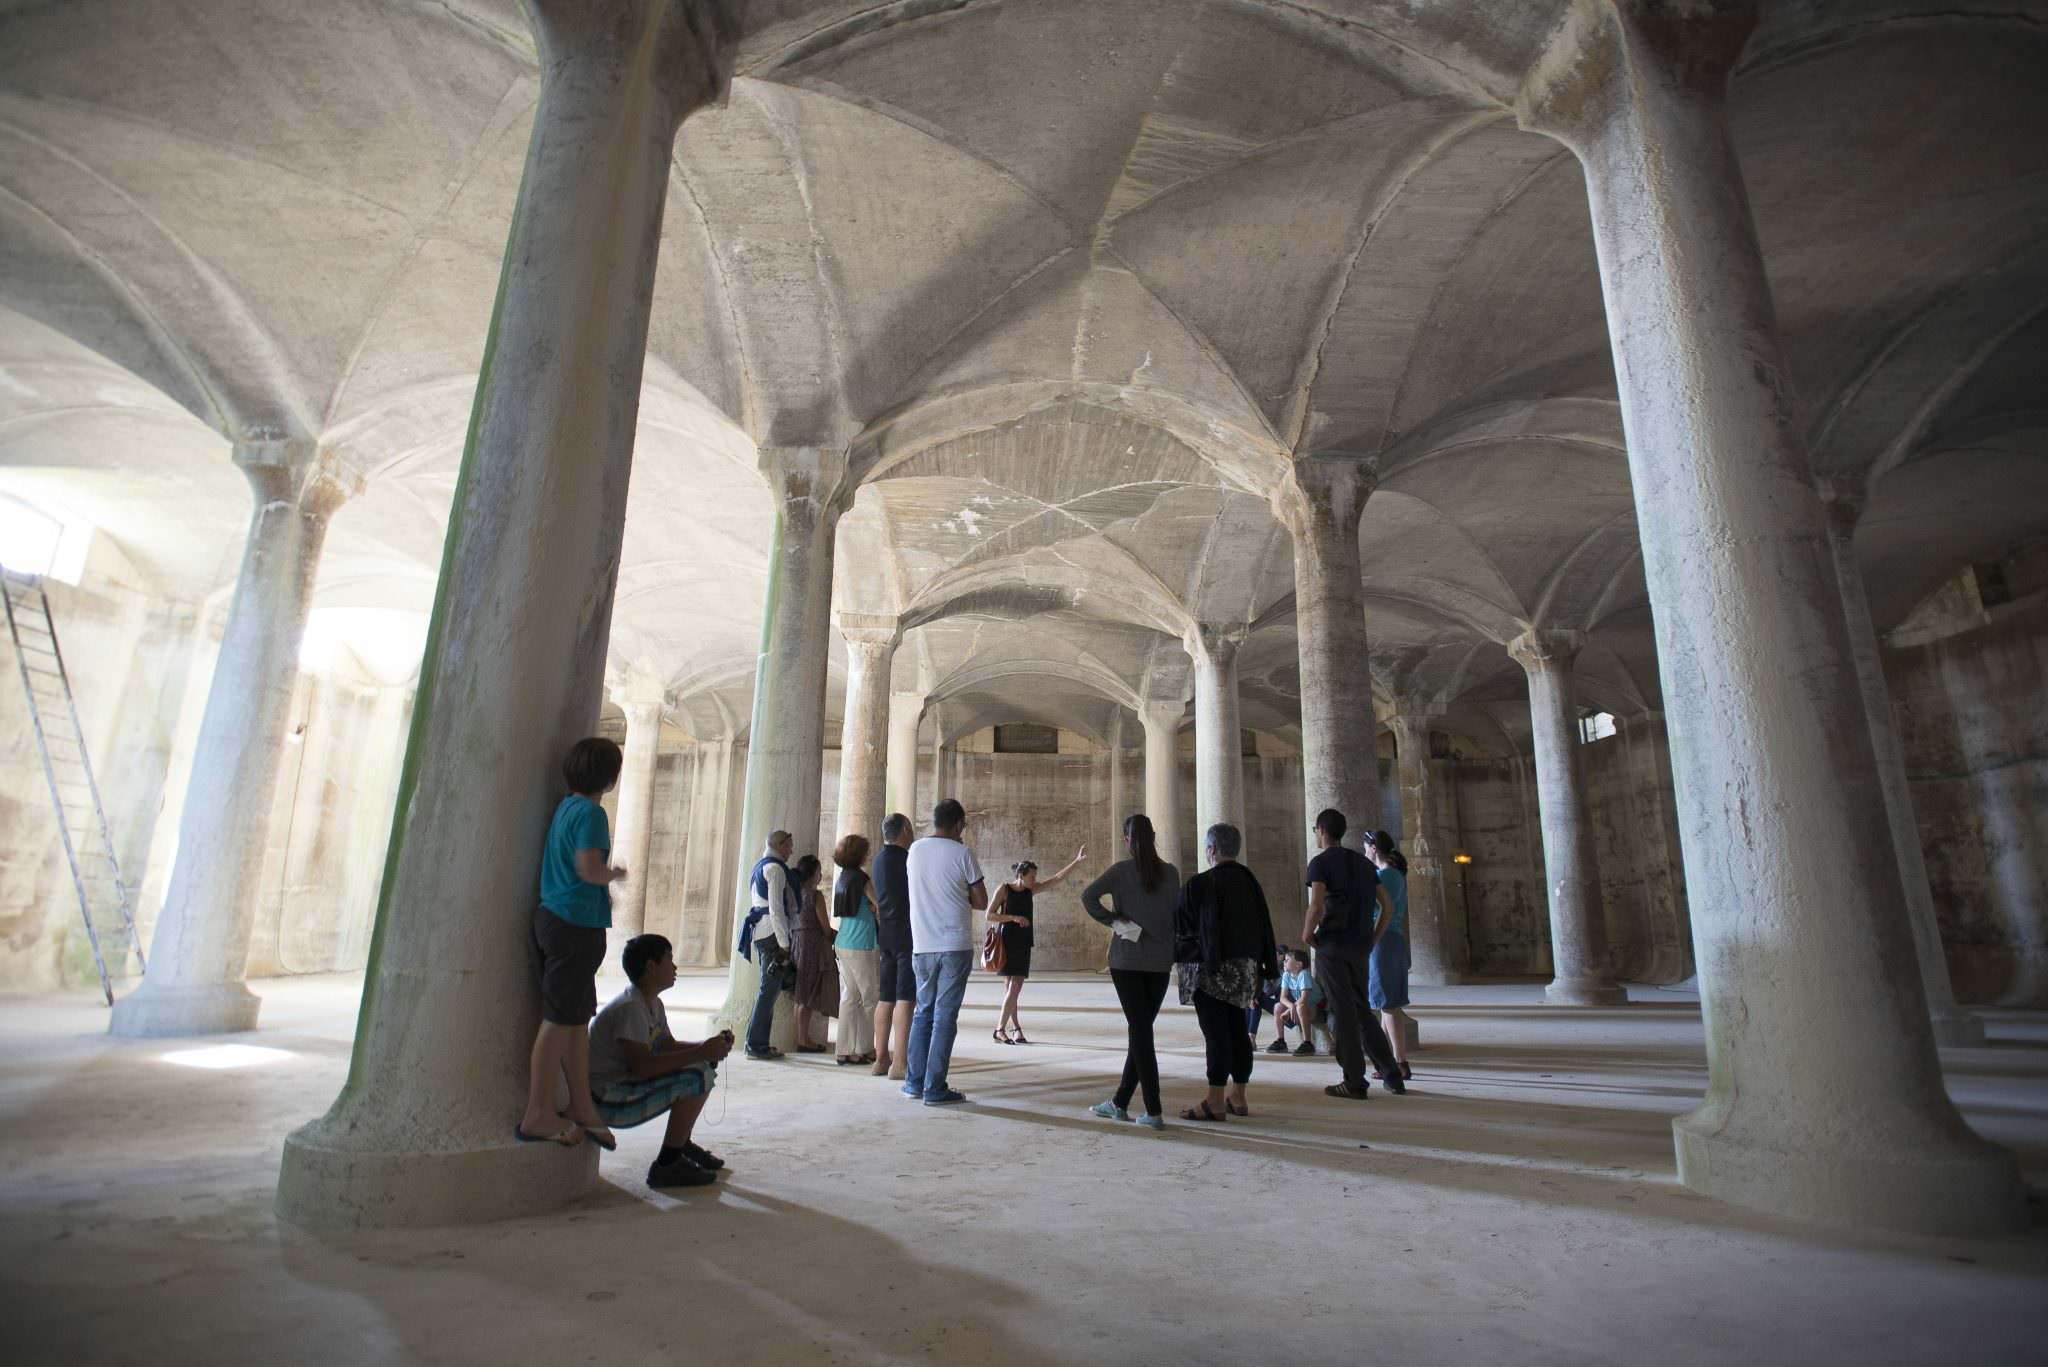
(1011, 910)
(1142, 890)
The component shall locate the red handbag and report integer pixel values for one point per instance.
(992, 950)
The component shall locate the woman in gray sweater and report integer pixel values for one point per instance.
(1143, 890)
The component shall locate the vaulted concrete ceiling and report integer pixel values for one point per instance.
(1072, 279)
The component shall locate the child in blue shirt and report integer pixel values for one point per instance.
(1300, 1004)
(568, 941)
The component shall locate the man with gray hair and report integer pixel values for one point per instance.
(767, 935)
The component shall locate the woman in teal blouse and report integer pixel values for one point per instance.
(853, 902)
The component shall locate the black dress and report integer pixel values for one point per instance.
(1017, 939)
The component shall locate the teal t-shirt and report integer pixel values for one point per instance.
(1304, 987)
(579, 824)
(858, 931)
(1396, 884)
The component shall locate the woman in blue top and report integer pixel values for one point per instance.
(856, 947)
(568, 942)
(1387, 989)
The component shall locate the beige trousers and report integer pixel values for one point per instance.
(859, 985)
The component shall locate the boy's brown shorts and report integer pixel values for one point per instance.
(567, 957)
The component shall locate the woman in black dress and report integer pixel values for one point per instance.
(817, 971)
(1012, 911)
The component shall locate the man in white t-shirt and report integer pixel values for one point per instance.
(946, 889)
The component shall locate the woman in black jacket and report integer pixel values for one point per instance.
(1223, 946)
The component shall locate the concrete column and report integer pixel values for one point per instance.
(1952, 1025)
(1581, 974)
(633, 841)
(1161, 721)
(1118, 801)
(1824, 1094)
(200, 950)
(1436, 947)
(786, 739)
(906, 710)
(1339, 754)
(1219, 735)
(513, 670)
(864, 730)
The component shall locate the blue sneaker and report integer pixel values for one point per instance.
(1150, 1122)
(911, 1091)
(947, 1097)
(1109, 1110)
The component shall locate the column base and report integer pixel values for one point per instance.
(1449, 977)
(1564, 992)
(338, 1186)
(1414, 1033)
(173, 1012)
(1958, 1029)
(1966, 1186)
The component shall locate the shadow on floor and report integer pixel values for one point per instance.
(711, 1275)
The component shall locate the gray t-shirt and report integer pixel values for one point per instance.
(628, 1016)
(941, 916)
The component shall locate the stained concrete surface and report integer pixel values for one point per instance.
(1519, 1206)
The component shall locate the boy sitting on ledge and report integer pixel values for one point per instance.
(639, 1071)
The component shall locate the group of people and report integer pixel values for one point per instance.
(894, 969)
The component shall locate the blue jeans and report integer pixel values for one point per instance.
(772, 982)
(941, 984)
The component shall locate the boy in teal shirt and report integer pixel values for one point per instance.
(568, 940)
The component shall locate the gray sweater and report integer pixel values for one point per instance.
(1153, 911)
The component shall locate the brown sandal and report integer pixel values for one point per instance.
(1202, 1112)
(1232, 1108)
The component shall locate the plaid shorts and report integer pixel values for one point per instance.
(640, 1099)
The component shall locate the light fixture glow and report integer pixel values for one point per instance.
(225, 1056)
(1461, 859)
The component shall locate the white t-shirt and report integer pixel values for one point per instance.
(628, 1016)
(941, 919)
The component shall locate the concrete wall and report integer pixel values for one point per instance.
(1975, 734)
(1489, 812)
(1642, 875)
(330, 826)
(128, 654)
(1038, 806)
(141, 665)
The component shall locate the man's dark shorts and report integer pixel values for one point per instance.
(568, 957)
(898, 981)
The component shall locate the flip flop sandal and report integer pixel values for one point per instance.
(1202, 1112)
(608, 1145)
(561, 1137)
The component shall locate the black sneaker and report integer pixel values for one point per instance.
(1305, 1051)
(681, 1173)
(1278, 1046)
(703, 1158)
(765, 1054)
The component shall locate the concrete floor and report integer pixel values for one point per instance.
(1519, 1207)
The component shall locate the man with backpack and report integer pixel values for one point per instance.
(1342, 890)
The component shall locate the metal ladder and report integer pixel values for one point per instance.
(81, 818)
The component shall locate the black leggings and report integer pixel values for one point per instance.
(1140, 994)
(1229, 1042)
